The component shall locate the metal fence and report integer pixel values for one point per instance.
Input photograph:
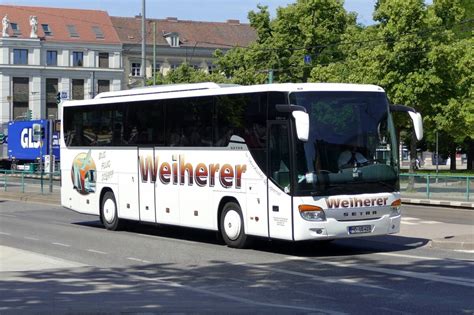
(419, 186)
(28, 182)
(440, 187)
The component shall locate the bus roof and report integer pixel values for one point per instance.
(166, 88)
(209, 88)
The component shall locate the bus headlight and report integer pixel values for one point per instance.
(396, 208)
(312, 213)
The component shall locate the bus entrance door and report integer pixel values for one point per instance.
(148, 170)
(279, 199)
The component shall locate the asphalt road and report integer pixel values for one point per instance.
(56, 261)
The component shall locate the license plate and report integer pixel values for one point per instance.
(360, 229)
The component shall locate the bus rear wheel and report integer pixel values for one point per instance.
(109, 213)
(232, 226)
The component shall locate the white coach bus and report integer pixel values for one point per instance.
(284, 161)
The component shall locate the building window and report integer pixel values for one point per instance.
(135, 70)
(98, 32)
(172, 39)
(77, 58)
(103, 86)
(77, 89)
(47, 30)
(16, 29)
(211, 69)
(20, 97)
(20, 56)
(72, 31)
(103, 60)
(51, 102)
(156, 70)
(51, 58)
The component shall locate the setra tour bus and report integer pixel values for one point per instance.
(284, 161)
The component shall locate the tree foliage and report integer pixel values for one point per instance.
(187, 74)
(304, 28)
(422, 55)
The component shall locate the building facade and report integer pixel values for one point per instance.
(80, 53)
(177, 42)
(46, 51)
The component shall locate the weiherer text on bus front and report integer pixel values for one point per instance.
(178, 171)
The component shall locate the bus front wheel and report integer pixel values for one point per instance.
(232, 226)
(109, 213)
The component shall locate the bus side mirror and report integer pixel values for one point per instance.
(302, 124)
(415, 118)
(417, 124)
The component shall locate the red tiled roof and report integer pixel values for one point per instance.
(191, 33)
(58, 19)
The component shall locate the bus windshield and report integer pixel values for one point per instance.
(351, 147)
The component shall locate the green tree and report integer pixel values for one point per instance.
(422, 57)
(187, 74)
(305, 28)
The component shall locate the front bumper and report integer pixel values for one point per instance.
(333, 229)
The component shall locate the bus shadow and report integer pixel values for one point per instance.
(341, 247)
(161, 230)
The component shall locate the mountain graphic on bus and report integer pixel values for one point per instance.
(83, 173)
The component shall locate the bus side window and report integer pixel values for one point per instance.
(280, 155)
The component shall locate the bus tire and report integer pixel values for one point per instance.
(109, 213)
(232, 226)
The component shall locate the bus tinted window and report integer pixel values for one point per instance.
(87, 126)
(189, 122)
(244, 115)
(144, 124)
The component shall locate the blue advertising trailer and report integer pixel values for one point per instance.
(23, 150)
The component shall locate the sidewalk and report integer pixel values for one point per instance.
(433, 202)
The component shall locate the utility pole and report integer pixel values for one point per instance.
(154, 53)
(437, 156)
(270, 76)
(51, 162)
(143, 66)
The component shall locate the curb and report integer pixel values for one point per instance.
(443, 203)
(25, 197)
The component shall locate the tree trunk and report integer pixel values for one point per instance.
(452, 155)
(413, 154)
(470, 155)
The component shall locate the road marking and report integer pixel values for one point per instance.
(31, 238)
(4, 233)
(416, 221)
(61, 244)
(409, 256)
(8, 215)
(97, 251)
(417, 244)
(469, 251)
(403, 273)
(331, 280)
(140, 260)
(201, 290)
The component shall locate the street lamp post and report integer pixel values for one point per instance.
(143, 66)
(437, 156)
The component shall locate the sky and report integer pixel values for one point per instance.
(197, 10)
